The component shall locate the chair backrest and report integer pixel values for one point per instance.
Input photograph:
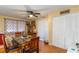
(9, 43)
(17, 33)
(3, 42)
(1, 39)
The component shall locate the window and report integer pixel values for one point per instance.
(21, 26)
(14, 26)
(11, 26)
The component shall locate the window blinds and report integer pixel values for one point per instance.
(11, 26)
(14, 26)
(21, 26)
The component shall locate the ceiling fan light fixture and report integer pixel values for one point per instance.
(30, 15)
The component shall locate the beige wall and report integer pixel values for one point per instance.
(1, 25)
(74, 9)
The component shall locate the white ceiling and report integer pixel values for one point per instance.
(19, 11)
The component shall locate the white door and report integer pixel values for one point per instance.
(72, 30)
(76, 29)
(66, 29)
(58, 28)
(69, 28)
(42, 29)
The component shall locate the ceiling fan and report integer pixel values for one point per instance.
(32, 13)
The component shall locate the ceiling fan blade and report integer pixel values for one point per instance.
(37, 13)
(36, 16)
(30, 12)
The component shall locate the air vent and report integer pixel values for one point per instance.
(65, 11)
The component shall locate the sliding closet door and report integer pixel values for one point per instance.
(42, 29)
(72, 30)
(58, 29)
(69, 30)
(65, 30)
(76, 29)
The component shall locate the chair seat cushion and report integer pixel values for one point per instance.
(12, 48)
